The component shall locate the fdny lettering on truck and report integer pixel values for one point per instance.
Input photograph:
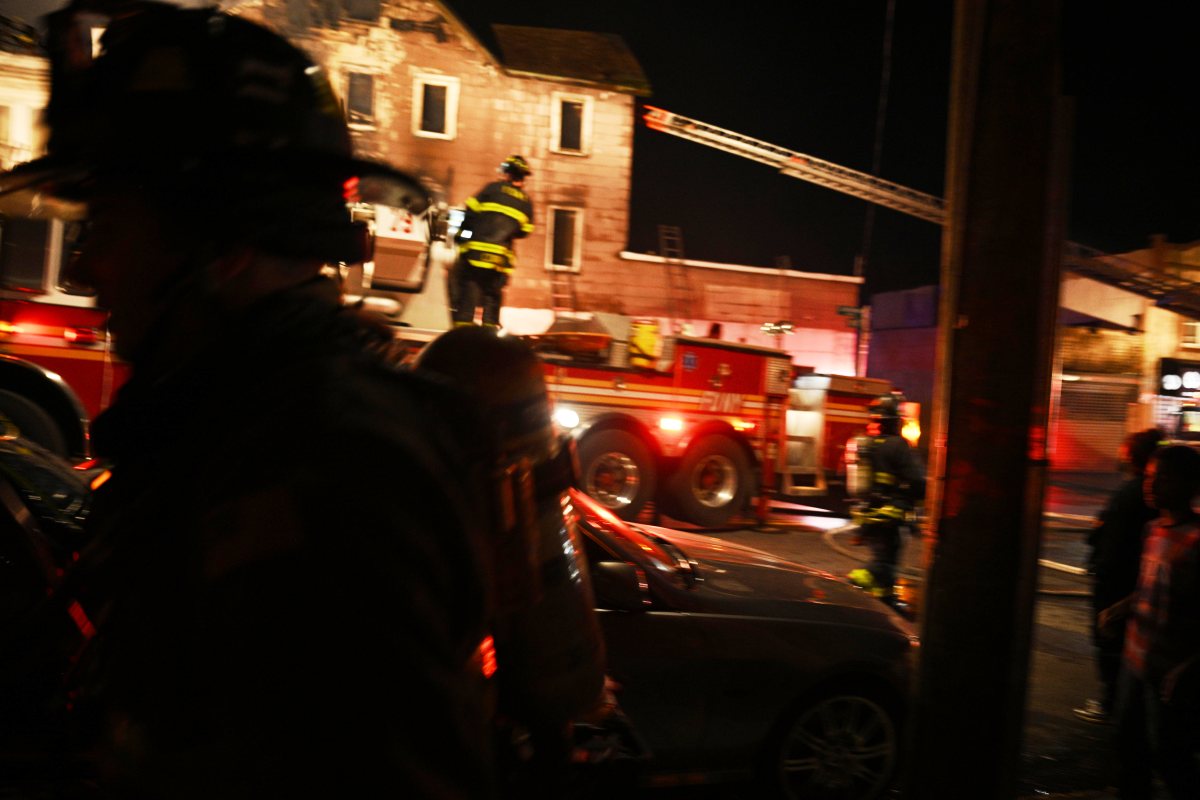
(721, 402)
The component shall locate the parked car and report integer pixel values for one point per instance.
(737, 665)
(43, 502)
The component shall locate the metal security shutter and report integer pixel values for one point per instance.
(1091, 424)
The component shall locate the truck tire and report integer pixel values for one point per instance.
(32, 422)
(712, 484)
(617, 469)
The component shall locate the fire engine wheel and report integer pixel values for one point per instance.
(32, 422)
(617, 470)
(712, 483)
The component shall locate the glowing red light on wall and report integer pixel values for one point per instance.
(100, 480)
(80, 618)
(487, 656)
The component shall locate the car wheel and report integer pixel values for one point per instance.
(32, 422)
(844, 746)
(617, 469)
(712, 483)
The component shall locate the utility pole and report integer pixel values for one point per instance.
(1000, 276)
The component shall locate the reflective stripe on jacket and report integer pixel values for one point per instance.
(496, 216)
(488, 256)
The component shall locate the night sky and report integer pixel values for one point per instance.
(806, 76)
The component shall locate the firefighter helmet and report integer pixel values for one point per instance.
(516, 167)
(886, 407)
(213, 109)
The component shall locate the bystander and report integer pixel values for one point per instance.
(1158, 697)
(1115, 548)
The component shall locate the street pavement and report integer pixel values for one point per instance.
(1061, 756)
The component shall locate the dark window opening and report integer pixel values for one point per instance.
(74, 235)
(23, 253)
(361, 10)
(433, 108)
(571, 129)
(563, 254)
(360, 105)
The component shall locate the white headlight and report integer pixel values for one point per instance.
(566, 418)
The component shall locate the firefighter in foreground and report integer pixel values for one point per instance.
(893, 482)
(287, 592)
(550, 654)
(499, 214)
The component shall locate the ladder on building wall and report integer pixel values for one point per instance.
(680, 297)
(1167, 291)
(563, 299)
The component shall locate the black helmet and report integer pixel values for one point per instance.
(209, 106)
(886, 407)
(515, 166)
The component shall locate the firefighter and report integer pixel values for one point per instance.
(895, 484)
(284, 592)
(499, 214)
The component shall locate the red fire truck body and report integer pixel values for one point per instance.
(708, 430)
(57, 367)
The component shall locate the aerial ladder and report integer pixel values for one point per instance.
(1172, 292)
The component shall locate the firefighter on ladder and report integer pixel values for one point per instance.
(500, 213)
(892, 481)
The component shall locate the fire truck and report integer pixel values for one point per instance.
(57, 366)
(706, 430)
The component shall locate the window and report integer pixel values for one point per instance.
(23, 253)
(435, 106)
(1189, 333)
(360, 98)
(571, 124)
(566, 231)
(361, 10)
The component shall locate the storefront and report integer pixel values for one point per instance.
(1092, 421)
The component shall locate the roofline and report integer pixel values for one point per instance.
(519, 73)
(454, 19)
(470, 33)
(785, 273)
